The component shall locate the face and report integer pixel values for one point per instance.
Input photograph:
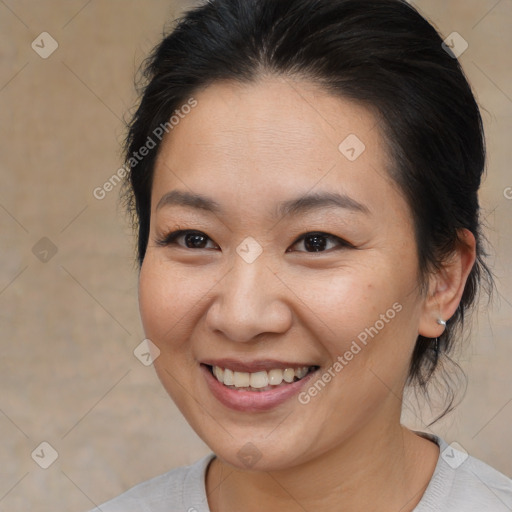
(281, 258)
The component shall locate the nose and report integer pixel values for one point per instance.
(249, 300)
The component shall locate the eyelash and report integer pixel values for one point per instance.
(170, 239)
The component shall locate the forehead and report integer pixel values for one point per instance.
(273, 138)
(274, 112)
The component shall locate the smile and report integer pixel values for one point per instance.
(261, 380)
(259, 390)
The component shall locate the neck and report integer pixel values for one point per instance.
(375, 469)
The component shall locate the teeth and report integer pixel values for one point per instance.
(258, 380)
(219, 373)
(289, 375)
(241, 379)
(301, 372)
(228, 377)
(275, 377)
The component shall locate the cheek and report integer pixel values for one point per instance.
(168, 302)
(346, 301)
(168, 298)
(366, 316)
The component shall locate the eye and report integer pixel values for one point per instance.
(318, 242)
(192, 239)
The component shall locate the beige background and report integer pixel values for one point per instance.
(69, 326)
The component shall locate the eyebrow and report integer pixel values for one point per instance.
(303, 204)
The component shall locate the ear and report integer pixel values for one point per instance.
(446, 286)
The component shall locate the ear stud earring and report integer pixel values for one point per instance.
(436, 347)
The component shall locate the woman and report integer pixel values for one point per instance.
(303, 176)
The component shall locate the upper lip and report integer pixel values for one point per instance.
(254, 366)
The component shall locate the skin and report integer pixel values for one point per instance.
(250, 147)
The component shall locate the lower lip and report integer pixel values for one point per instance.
(253, 401)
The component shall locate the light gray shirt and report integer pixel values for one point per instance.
(460, 483)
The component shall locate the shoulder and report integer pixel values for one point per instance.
(462, 483)
(183, 488)
(483, 485)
